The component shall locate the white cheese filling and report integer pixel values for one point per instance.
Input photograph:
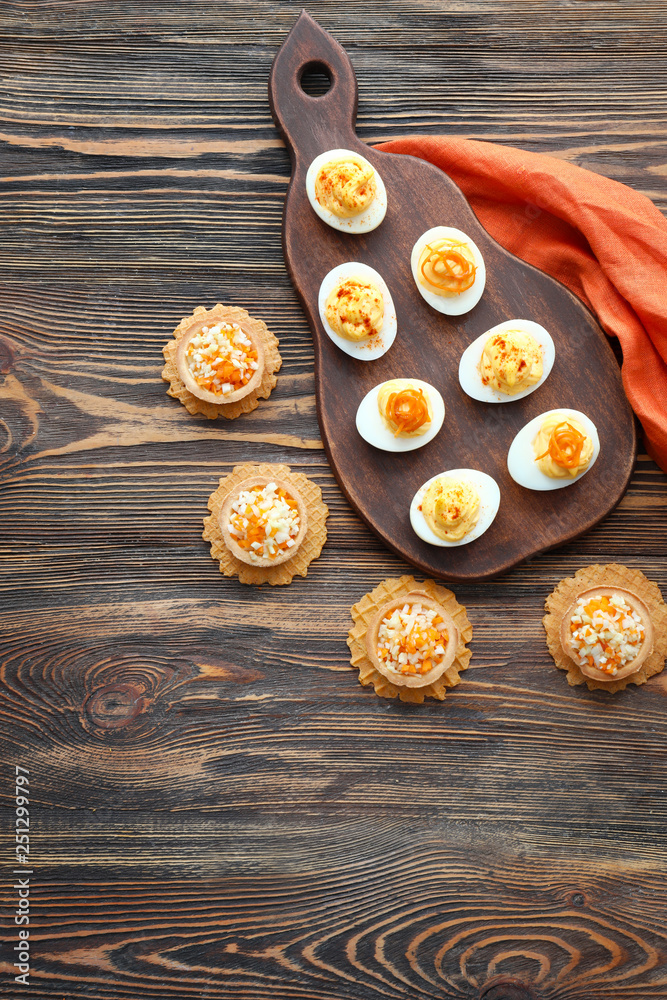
(221, 358)
(412, 639)
(607, 637)
(264, 521)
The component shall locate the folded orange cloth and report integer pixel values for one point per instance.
(603, 240)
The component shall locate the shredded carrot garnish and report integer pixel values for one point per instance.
(408, 409)
(449, 268)
(565, 445)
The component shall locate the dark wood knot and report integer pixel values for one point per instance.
(507, 989)
(6, 356)
(115, 705)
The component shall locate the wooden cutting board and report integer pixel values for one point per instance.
(586, 377)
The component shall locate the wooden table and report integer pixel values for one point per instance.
(217, 808)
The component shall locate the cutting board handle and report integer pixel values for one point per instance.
(309, 124)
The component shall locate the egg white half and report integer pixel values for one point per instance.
(452, 305)
(363, 222)
(489, 502)
(373, 429)
(469, 374)
(521, 459)
(371, 347)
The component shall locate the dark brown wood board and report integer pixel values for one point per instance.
(380, 485)
(218, 810)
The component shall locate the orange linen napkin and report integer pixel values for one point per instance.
(604, 241)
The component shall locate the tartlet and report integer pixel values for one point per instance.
(236, 540)
(295, 552)
(258, 380)
(628, 650)
(378, 607)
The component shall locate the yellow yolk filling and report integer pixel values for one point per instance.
(447, 267)
(345, 187)
(562, 447)
(406, 410)
(264, 521)
(221, 358)
(355, 309)
(511, 362)
(606, 633)
(412, 640)
(450, 508)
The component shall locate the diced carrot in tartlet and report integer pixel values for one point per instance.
(608, 633)
(263, 521)
(221, 362)
(267, 524)
(606, 627)
(409, 639)
(412, 640)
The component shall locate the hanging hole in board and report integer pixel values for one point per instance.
(315, 79)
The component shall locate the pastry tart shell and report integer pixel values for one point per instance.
(644, 597)
(362, 639)
(310, 546)
(182, 385)
(230, 541)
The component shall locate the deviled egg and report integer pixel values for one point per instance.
(448, 269)
(553, 450)
(508, 362)
(401, 414)
(454, 507)
(357, 310)
(346, 191)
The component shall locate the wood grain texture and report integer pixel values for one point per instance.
(218, 809)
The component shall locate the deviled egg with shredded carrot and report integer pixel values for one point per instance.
(400, 415)
(448, 269)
